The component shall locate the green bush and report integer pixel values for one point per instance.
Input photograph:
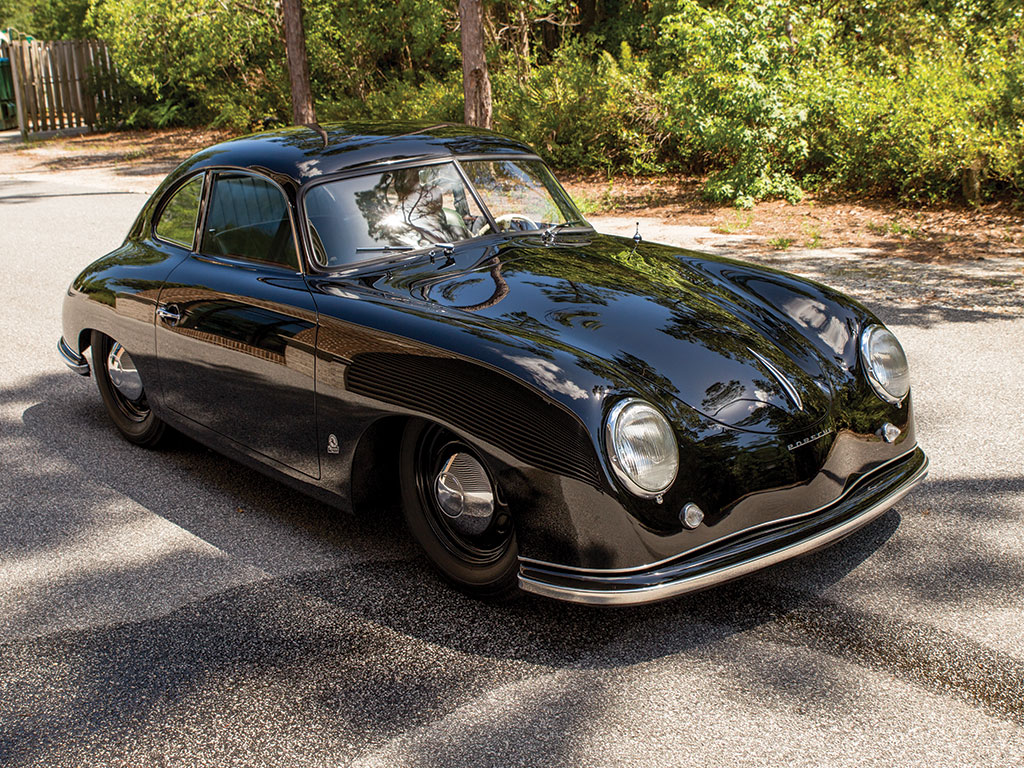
(432, 99)
(584, 109)
(219, 64)
(766, 98)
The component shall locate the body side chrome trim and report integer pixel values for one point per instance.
(72, 359)
(659, 563)
(649, 594)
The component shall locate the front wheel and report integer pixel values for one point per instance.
(123, 394)
(452, 509)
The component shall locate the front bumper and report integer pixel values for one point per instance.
(735, 555)
(72, 359)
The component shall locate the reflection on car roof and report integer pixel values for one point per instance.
(301, 154)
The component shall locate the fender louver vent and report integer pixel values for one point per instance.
(481, 403)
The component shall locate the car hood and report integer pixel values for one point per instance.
(653, 312)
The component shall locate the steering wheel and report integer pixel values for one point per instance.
(522, 223)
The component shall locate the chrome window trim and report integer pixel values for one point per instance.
(239, 260)
(476, 195)
(155, 218)
(382, 166)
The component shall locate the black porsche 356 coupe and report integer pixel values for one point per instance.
(380, 313)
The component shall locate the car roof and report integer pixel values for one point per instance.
(304, 153)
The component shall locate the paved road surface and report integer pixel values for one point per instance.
(174, 608)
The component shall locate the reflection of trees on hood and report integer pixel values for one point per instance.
(500, 288)
(402, 206)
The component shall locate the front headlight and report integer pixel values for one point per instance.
(885, 364)
(642, 448)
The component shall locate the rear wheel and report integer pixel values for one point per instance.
(123, 393)
(452, 508)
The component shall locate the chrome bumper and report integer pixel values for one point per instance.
(736, 555)
(72, 359)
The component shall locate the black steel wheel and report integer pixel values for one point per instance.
(123, 393)
(453, 510)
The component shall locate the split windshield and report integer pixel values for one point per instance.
(368, 217)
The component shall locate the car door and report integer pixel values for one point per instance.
(236, 325)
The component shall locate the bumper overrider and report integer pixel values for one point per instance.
(72, 359)
(735, 555)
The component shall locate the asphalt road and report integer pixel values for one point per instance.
(174, 608)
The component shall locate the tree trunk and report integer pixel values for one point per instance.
(588, 16)
(970, 181)
(522, 27)
(298, 66)
(476, 83)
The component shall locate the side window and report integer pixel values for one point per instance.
(247, 217)
(178, 218)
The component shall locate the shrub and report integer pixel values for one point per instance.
(221, 64)
(584, 109)
(765, 97)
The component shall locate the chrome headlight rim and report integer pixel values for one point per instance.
(866, 337)
(621, 474)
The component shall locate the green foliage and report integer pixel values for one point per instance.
(359, 47)
(431, 99)
(160, 115)
(765, 98)
(881, 96)
(61, 20)
(584, 109)
(17, 14)
(726, 83)
(219, 61)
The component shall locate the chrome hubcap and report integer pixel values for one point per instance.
(464, 494)
(123, 374)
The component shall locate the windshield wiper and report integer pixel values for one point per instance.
(432, 249)
(383, 248)
(548, 235)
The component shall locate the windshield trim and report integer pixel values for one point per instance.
(419, 162)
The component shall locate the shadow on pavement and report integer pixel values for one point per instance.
(346, 655)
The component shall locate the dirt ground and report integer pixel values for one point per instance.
(926, 234)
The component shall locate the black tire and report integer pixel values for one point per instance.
(133, 417)
(483, 565)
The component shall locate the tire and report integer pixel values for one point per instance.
(475, 553)
(130, 412)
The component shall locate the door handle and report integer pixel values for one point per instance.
(169, 313)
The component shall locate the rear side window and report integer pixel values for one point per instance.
(178, 218)
(248, 218)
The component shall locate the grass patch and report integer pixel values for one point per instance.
(894, 229)
(813, 237)
(738, 222)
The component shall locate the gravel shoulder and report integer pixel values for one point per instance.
(907, 289)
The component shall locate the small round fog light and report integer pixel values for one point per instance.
(691, 516)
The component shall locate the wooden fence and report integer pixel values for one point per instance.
(63, 84)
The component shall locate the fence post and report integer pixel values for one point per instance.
(14, 51)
